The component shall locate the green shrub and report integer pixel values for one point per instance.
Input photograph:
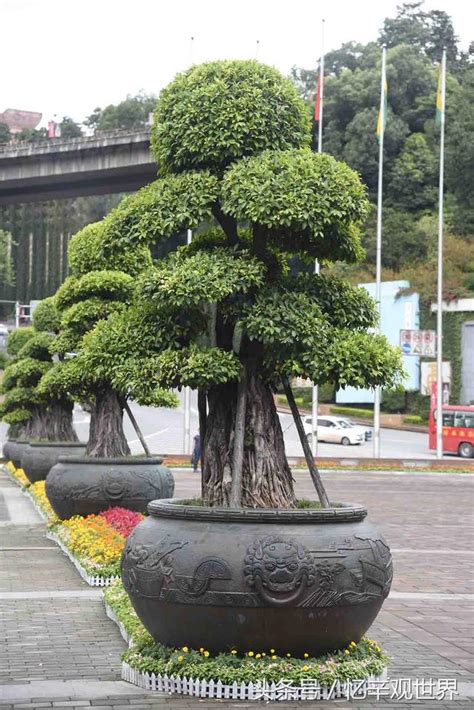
(17, 339)
(352, 412)
(393, 400)
(412, 419)
(45, 316)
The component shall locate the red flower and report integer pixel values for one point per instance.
(121, 519)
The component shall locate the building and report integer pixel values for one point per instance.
(398, 312)
(18, 120)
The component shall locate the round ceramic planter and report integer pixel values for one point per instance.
(298, 581)
(39, 457)
(6, 449)
(16, 447)
(85, 485)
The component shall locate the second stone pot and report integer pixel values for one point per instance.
(39, 457)
(16, 447)
(85, 485)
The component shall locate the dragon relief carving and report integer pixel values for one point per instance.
(279, 569)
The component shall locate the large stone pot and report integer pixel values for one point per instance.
(16, 447)
(39, 457)
(84, 485)
(293, 580)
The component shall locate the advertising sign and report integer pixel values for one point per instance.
(428, 378)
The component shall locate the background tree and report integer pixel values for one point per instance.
(5, 134)
(225, 315)
(69, 128)
(131, 113)
(99, 286)
(34, 411)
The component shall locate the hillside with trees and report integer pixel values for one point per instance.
(414, 39)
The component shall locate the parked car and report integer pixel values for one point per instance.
(367, 431)
(335, 430)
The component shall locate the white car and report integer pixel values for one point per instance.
(335, 430)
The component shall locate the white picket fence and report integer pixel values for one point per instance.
(92, 580)
(238, 691)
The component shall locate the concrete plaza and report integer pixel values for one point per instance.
(58, 649)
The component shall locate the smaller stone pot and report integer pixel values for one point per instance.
(6, 449)
(84, 485)
(40, 457)
(16, 448)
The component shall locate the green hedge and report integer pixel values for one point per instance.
(352, 411)
(413, 419)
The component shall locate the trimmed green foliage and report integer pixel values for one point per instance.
(104, 285)
(161, 209)
(413, 419)
(86, 253)
(300, 195)
(218, 112)
(46, 316)
(38, 347)
(17, 338)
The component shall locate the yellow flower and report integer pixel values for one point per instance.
(201, 650)
(274, 658)
(263, 655)
(288, 655)
(258, 655)
(306, 668)
(185, 649)
(306, 655)
(250, 653)
(272, 650)
(180, 659)
(233, 652)
(352, 643)
(347, 652)
(205, 654)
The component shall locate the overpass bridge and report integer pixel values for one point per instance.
(116, 161)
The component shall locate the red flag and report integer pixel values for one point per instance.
(317, 101)
(51, 129)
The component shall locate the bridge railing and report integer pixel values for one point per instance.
(23, 147)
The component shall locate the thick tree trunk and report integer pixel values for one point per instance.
(266, 476)
(106, 435)
(53, 423)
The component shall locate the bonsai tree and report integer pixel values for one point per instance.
(227, 315)
(33, 411)
(99, 286)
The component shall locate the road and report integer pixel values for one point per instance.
(163, 430)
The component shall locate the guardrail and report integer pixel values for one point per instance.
(22, 147)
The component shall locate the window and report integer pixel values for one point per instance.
(323, 422)
(448, 418)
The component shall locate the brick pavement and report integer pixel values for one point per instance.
(63, 652)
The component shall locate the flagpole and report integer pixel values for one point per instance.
(315, 397)
(378, 258)
(439, 319)
(187, 396)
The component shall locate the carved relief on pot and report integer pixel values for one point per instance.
(148, 570)
(115, 487)
(279, 569)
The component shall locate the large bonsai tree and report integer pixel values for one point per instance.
(227, 315)
(99, 285)
(33, 411)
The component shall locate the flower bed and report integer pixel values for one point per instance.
(197, 672)
(94, 543)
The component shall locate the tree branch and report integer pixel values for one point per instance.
(313, 469)
(228, 224)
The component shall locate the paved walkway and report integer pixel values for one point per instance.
(58, 649)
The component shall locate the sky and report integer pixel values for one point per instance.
(66, 57)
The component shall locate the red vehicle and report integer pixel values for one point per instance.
(458, 429)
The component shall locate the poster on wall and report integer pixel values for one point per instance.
(428, 378)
